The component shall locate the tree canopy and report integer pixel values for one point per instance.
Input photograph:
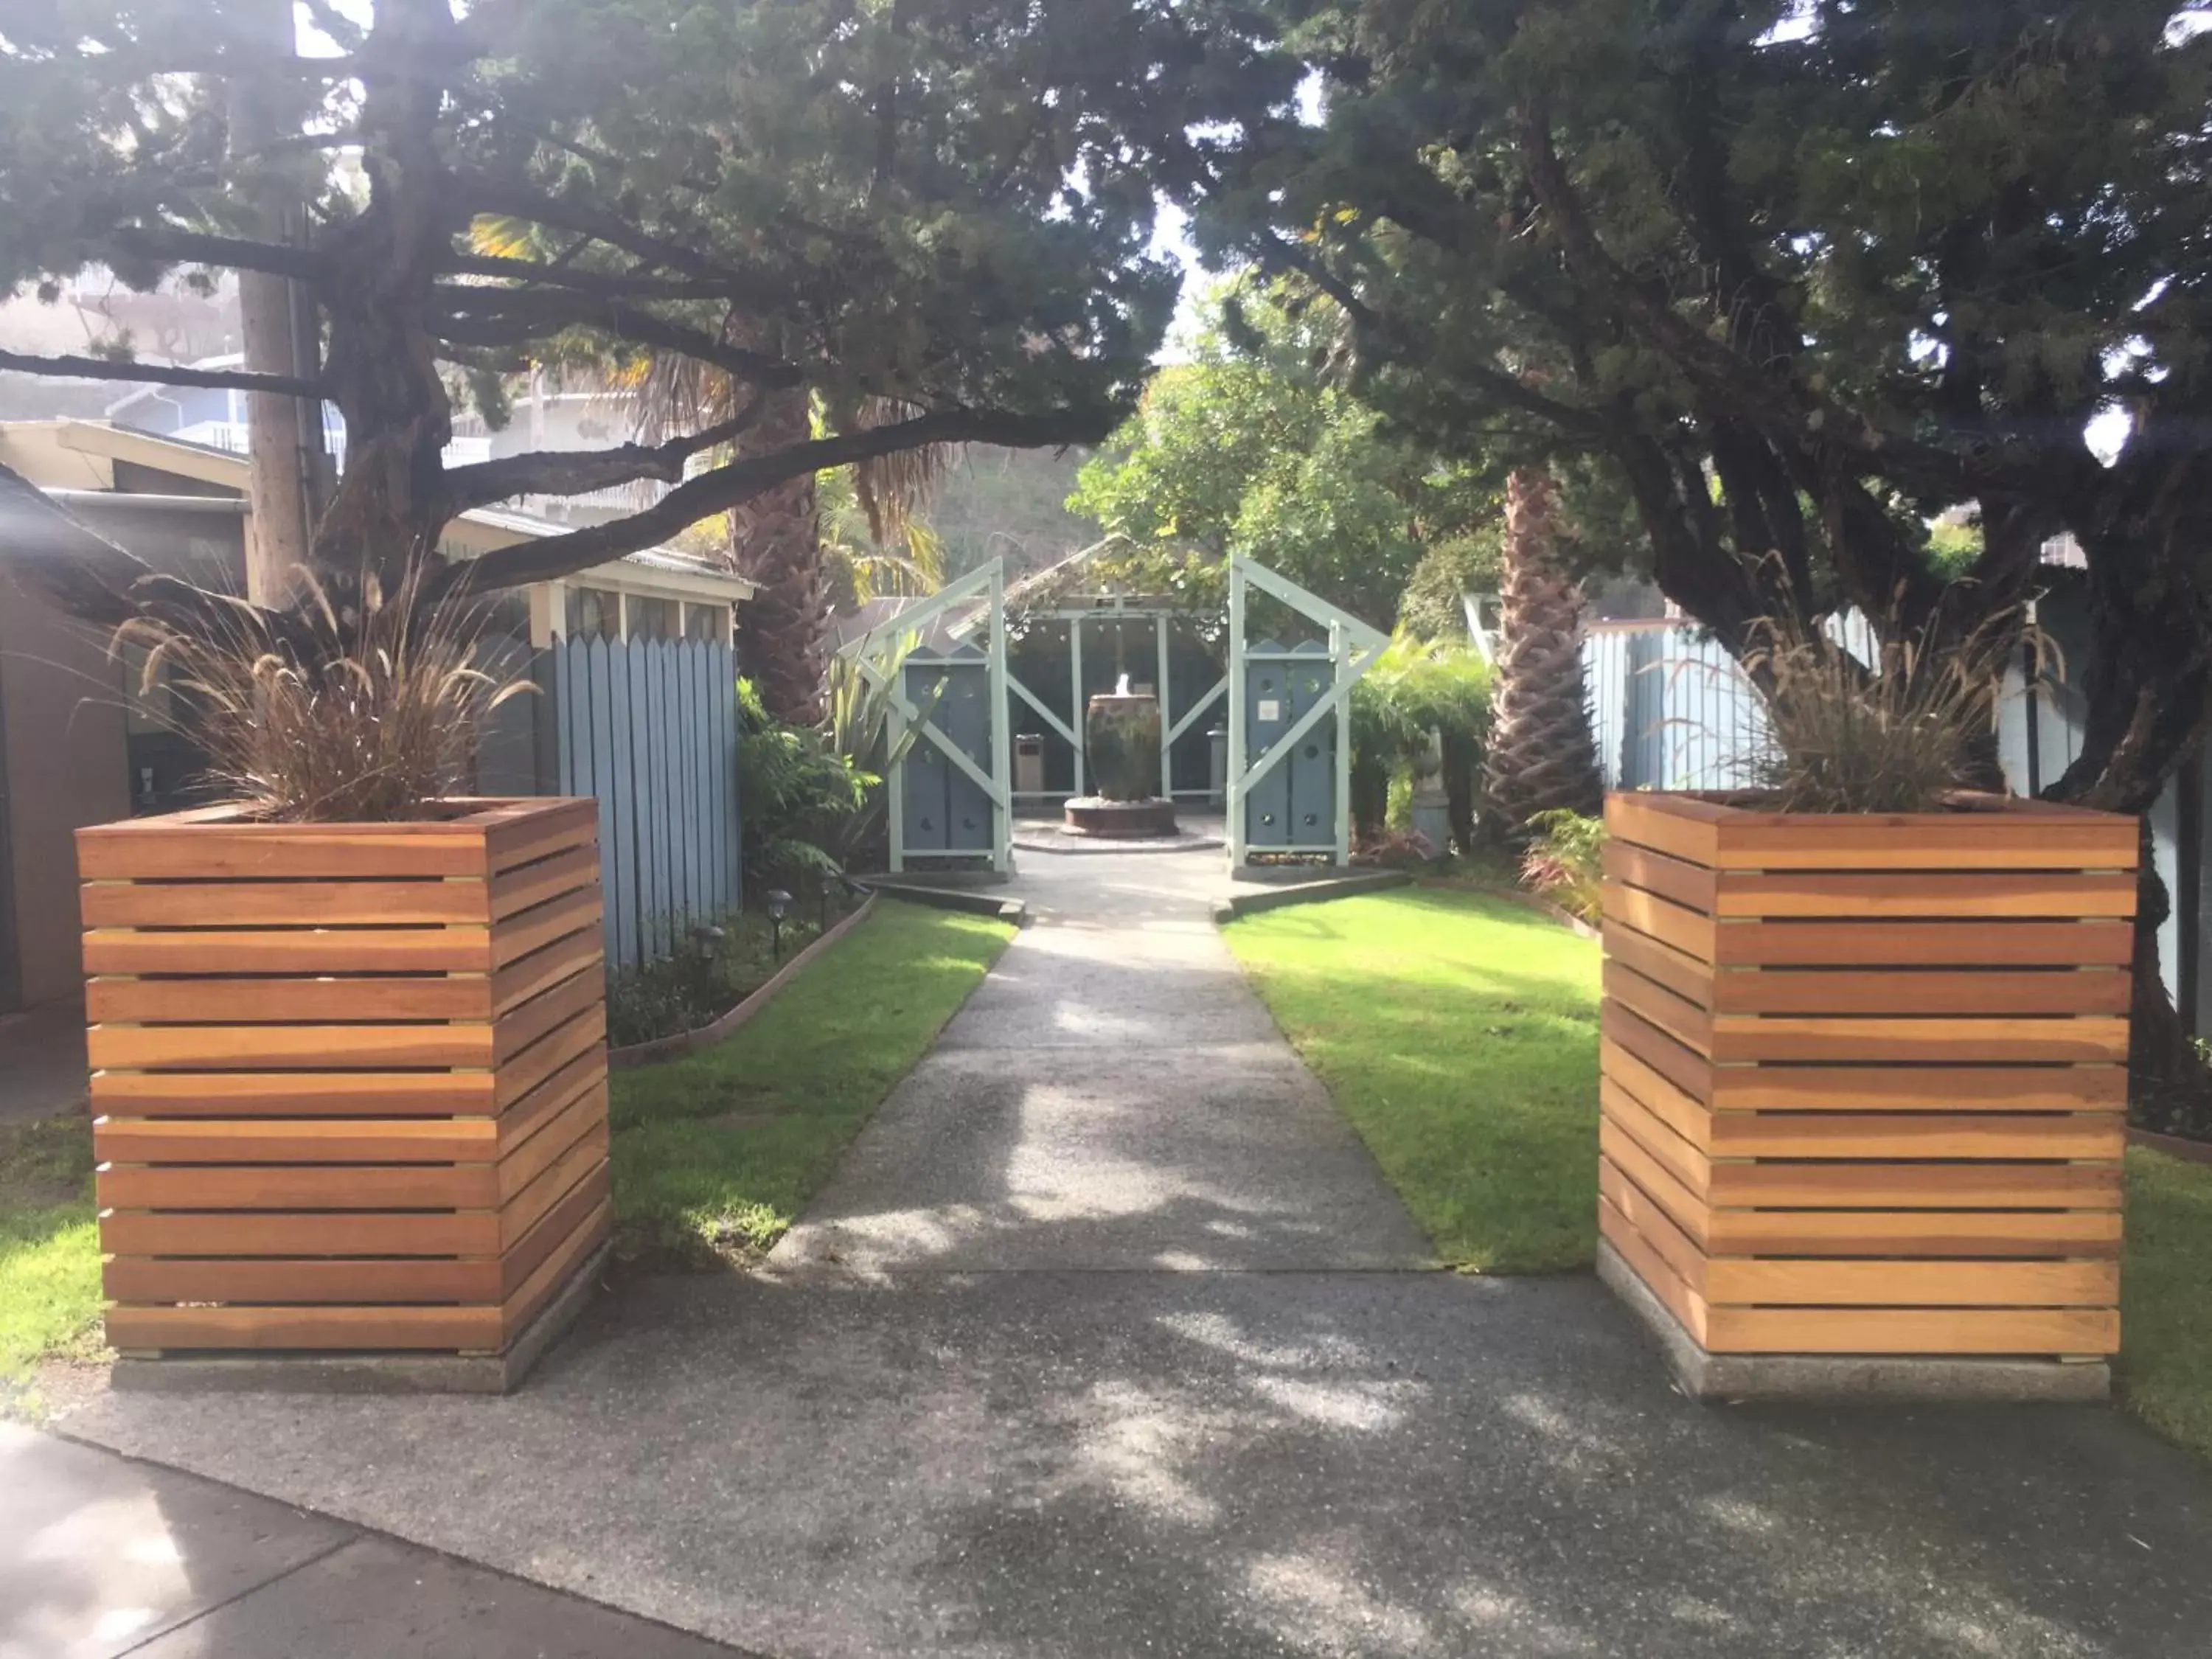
(1805, 273)
(934, 214)
(1258, 450)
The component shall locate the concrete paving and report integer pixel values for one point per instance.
(1095, 1347)
(101, 1556)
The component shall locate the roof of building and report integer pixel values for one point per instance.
(476, 531)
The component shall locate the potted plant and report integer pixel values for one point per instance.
(347, 1029)
(1864, 1047)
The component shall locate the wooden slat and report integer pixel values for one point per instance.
(527, 1115)
(1684, 1021)
(541, 970)
(1839, 1186)
(1675, 1247)
(243, 1001)
(1674, 1154)
(234, 904)
(581, 1035)
(1949, 841)
(1687, 931)
(298, 1187)
(535, 1154)
(298, 1278)
(531, 1298)
(1914, 1284)
(1745, 1038)
(1755, 991)
(1684, 1302)
(1680, 826)
(288, 1141)
(294, 1094)
(533, 884)
(553, 826)
(1685, 976)
(1986, 943)
(1915, 1233)
(545, 1235)
(1913, 1330)
(584, 1163)
(1921, 1088)
(1681, 1112)
(528, 1022)
(364, 1328)
(1953, 894)
(2004, 1135)
(294, 852)
(128, 1232)
(525, 931)
(290, 951)
(1684, 1068)
(1684, 1207)
(1678, 881)
(286, 1048)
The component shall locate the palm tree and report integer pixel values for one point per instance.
(1541, 755)
(777, 540)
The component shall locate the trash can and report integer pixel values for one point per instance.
(1028, 764)
(1217, 774)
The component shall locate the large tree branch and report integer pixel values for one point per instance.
(612, 285)
(110, 368)
(506, 316)
(573, 471)
(170, 245)
(730, 485)
(483, 193)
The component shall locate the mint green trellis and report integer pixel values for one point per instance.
(1353, 647)
(882, 657)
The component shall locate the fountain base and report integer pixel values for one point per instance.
(1118, 820)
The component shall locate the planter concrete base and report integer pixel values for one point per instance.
(170, 1373)
(1841, 1378)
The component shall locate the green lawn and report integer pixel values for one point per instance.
(49, 1245)
(717, 1153)
(1458, 1033)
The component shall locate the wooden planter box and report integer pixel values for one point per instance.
(1864, 1079)
(349, 1082)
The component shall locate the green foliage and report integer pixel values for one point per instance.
(2166, 1285)
(50, 1293)
(715, 1154)
(1564, 861)
(1122, 747)
(1459, 1034)
(1257, 451)
(800, 801)
(1432, 607)
(1423, 703)
(711, 974)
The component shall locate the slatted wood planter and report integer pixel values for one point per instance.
(1864, 1077)
(349, 1082)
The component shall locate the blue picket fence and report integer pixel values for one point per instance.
(650, 728)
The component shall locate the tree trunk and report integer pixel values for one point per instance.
(1541, 757)
(775, 542)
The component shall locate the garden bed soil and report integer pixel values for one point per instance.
(685, 1043)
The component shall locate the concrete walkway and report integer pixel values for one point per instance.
(1098, 1346)
(101, 1556)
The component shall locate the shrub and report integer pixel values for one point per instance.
(360, 712)
(1566, 862)
(1898, 734)
(801, 803)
